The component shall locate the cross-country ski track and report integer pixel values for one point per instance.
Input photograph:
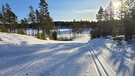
(63, 62)
(81, 57)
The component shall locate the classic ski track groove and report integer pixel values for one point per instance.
(98, 66)
(28, 65)
(102, 67)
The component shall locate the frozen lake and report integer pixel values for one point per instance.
(62, 33)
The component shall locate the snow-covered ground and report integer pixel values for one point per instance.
(22, 55)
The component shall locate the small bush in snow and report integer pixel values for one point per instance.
(0, 39)
(65, 39)
(4, 29)
(118, 40)
(53, 36)
(38, 35)
(43, 36)
(20, 31)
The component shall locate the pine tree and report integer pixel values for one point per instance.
(1, 17)
(44, 17)
(100, 15)
(129, 19)
(111, 11)
(3, 21)
(24, 23)
(37, 21)
(13, 19)
(32, 17)
(100, 18)
(43, 12)
(8, 17)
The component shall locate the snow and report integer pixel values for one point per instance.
(22, 55)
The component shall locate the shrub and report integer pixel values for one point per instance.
(43, 36)
(51, 38)
(38, 36)
(4, 29)
(0, 39)
(54, 35)
(65, 39)
(95, 34)
(118, 40)
(20, 31)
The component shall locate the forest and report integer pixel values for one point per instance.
(116, 21)
(110, 21)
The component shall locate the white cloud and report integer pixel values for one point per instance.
(70, 15)
(84, 11)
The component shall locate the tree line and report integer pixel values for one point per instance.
(116, 22)
(109, 21)
(39, 19)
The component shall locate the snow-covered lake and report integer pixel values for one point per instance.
(62, 33)
(30, 31)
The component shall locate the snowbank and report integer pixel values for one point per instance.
(16, 39)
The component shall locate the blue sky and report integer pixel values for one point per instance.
(60, 10)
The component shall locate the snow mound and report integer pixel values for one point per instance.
(12, 39)
(8, 39)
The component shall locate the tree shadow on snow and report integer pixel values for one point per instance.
(28, 54)
(69, 63)
(133, 49)
(134, 70)
(119, 58)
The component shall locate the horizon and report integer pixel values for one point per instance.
(60, 10)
